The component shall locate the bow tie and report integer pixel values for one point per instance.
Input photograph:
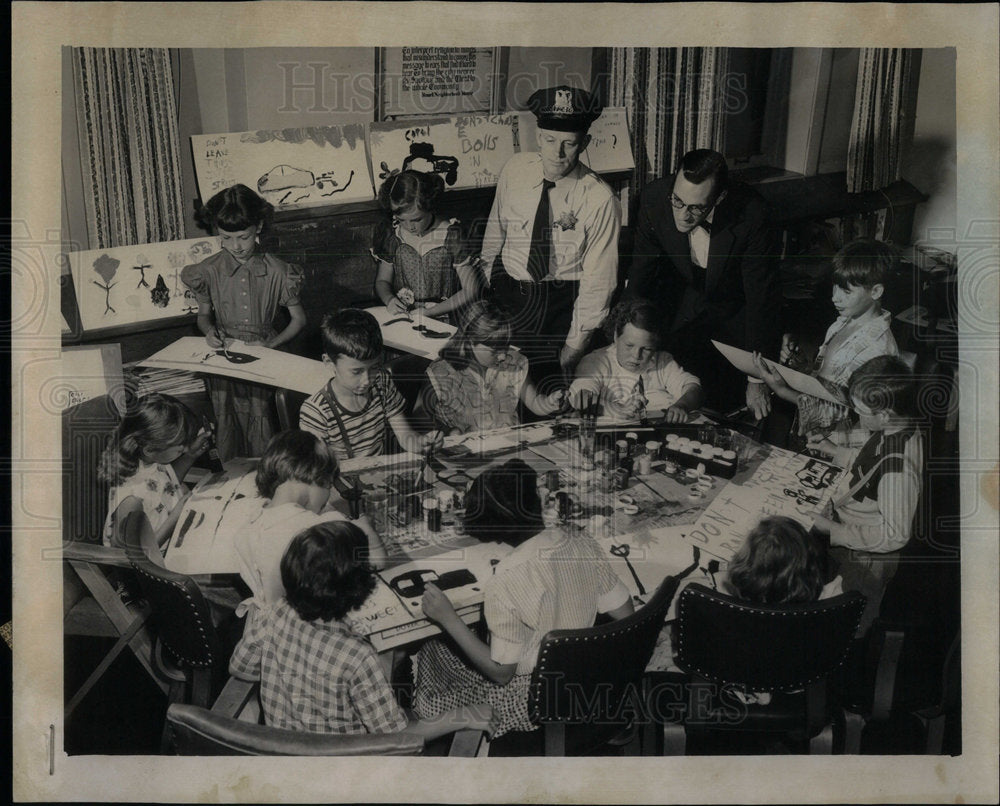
(705, 225)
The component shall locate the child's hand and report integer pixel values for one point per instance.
(818, 442)
(432, 440)
(435, 604)
(395, 306)
(552, 403)
(676, 414)
(214, 339)
(200, 443)
(789, 348)
(771, 378)
(480, 716)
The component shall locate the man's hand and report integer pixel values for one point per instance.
(436, 606)
(569, 357)
(759, 399)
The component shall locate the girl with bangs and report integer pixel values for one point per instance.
(477, 382)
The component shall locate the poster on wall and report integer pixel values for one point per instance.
(424, 81)
(290, 168)
(131, 285)
(610, 148)
(468, 151)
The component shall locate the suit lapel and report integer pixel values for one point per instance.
(721, 243)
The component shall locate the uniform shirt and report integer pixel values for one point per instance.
(245, 297)
(469, 400)
(315, 675)
(261, 545)
(365, 428)
(878, 517)
(663, 381)
(553, 581)
(586, 219)
(155, 485)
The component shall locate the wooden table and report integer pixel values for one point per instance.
(643, 547)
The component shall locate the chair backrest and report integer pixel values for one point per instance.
(85, 431)
(180, 612)
(195, 731)
(583, 676)
(765, 648)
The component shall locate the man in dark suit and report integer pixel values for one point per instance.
(704, 251)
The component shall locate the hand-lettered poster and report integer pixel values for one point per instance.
(130, 285)
(290, 168)
(609, 150)
(424, 81)
(468, 151)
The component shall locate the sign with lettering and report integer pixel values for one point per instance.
(422, 81)
(785, 483)
(290, 168)
(468, 151)
(610, 148)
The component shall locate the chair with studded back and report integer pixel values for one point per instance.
(735, 652)
(585, 690)
(92, 605)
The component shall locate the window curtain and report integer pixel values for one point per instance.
(674, 99)
(127, 118)
(873, 157)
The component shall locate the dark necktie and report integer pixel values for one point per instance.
(540, 248)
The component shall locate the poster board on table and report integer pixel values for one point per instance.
(291, 168)
(610, 147)
(468, 151)
(135, 285)
(423, 81)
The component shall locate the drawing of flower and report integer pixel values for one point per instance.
(106, 266)
(567, 220)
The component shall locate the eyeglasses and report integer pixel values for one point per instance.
(695, 209)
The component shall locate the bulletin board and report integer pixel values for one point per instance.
(134, 285)
(610, 148)
(291, 168)
(468, 151)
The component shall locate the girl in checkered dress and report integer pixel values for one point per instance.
(553, 579)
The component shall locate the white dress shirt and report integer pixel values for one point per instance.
(586, 220)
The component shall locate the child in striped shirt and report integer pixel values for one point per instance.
(360, 405)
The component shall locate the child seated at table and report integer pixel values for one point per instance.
(553, 579)
(860, 332)
(145, 462)
(419, 252)
(360, 405)
(631, 373)
(477, 382)
(296, 475)
(870, 516)
(315, 673)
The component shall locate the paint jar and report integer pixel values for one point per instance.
(631, 438)
(642, 461)
(653, 449)
(432, 515)
(621, 449)
(445, 498)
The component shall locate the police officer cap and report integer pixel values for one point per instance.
(564, 109)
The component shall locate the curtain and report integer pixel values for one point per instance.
(127, 117)
(675, 101)
(873, 156)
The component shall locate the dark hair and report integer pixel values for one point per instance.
(410, 188)
(482, 322)
(865, 262)
(639, 313)
(703, 163)
(502, 504)
(885, 383)
(295, 456)
(351, 332)
(325, 571)
(233, 209)
(779, 562)
(155, 423)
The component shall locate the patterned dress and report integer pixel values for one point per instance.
(423, 263)
(245, 298)
(155, 485)
(469, 400)
(555, 580)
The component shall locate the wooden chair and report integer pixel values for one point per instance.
(92, 606)
(586, 687)
(785, 650)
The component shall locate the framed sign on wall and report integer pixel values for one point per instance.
(431, 81)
